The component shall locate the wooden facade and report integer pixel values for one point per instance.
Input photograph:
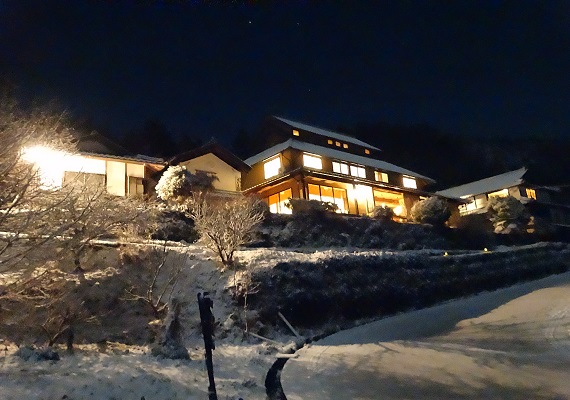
(313, 163)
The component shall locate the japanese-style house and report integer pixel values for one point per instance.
(318, 164)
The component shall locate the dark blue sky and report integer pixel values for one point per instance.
(466, 67)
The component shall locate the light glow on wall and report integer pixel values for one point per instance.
(52, 164)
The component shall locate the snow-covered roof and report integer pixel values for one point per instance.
(487, 185)
(327, 133)
(332, 153)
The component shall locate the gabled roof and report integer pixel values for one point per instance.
(324, 132)
(216, 149)
(332, 153)
(487, 185)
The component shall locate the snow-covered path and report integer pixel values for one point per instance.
(509, 344)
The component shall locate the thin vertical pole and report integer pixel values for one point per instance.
(205, 305)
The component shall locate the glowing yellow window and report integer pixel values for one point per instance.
(530, 193)
(312, 161)
(340, 168)
(329, 141)
(366, 151)
(499, 193)
(345, 145)
(337, 144)
(409, 182)
(381, 176)
(295, 132)
(272, 167)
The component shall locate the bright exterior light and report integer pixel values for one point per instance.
(485, 249)
(398, 210)
(51, 164)
(445, 254)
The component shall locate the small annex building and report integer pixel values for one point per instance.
(547, 202)
(216, 161)
(318, 164)
(98, 162)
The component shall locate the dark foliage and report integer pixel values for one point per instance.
(349, 289)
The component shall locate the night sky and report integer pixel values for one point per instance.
(211, 68)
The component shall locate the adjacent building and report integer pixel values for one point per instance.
(549, 203)
(318, 164)
(216, 161)
(98, 162)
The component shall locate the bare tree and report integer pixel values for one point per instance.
(45, 226)
(157, 289)
(224, 224)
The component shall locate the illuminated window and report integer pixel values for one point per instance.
(272, 167)
(277, 202)
(295, 132)
(381, 176)
(530, 193)
(337, 144)
(499, 193)
(394, 200)
(366, 151)
(345, 145)
(312, 161)
(330, 141)
(409, 182)
(330, 195)
(340, 168)
(357, 171)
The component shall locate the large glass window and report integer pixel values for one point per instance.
(272, 167)
(312, 161)
(393, 200)
(277, 202)
(409, 182)
(329, 194)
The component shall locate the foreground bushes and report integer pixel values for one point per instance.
(355, 287)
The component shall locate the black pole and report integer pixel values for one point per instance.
(207, 319)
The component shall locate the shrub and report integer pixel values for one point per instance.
(177, 183)
(433, 210)
(383, 213)
(507, 214)
(310, 207)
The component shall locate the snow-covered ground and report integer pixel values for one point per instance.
(513, 343)
(116, 371)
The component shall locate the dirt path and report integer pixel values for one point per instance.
(513, 343)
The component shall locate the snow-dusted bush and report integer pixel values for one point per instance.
(383, 213)
(310, 207)
(507, 214)
(177, 183)
(433, 210)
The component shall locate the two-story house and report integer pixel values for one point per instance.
(314, 163)
(550, 203)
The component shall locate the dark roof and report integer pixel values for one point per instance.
(94, 142)
(216, 149)
(324, 132)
